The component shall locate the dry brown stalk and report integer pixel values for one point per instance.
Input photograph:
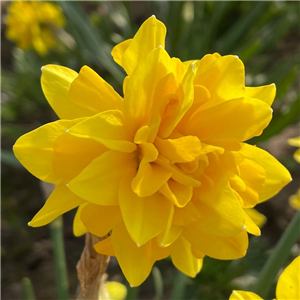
(91, 269)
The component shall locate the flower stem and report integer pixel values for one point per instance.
(278, 257)
(27, 289)
(61, 276)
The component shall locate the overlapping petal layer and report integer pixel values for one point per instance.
(164, 171)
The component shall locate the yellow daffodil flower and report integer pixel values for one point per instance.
(294, 200)
(288, 285)
(166, 168)
(33, 24)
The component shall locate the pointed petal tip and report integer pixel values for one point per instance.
(244, 227)
(153, 16)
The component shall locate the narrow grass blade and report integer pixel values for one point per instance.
(278, 257)
(179, 286)
(61, 275)
(89, 39)
(158, 283)
(27, 289)
(238, 28)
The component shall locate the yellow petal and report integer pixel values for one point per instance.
(90, 91)
(241, 295)
(157, 252)
(78, 227)
(105, 247)
(150, 35)
(223, 77)
(197, 253)
(184, 149)
(205, 61)
(118, 51)
(56, 82)
(142, 83)
(178, 175)
(150, 176)
(288, 285)
(144, 217)
(221, 213)
(258, 218)
(231, 159)
(35, 150)
(218, 247)
(134, 262)
(177, 193)
(60, 201)
(169, 236)
(175, 110)
(250, 225)
(254, 177)
(99, 220)
(106, 128)
(238, 119)
(183, 258)
(72, 154)
(170, 232)
(98, 182)
(186, 215)
(167, 89)
(149, 179)
(264, 93)
(201, 95)
(277, 176)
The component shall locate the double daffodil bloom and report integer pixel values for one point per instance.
(33, 24)
(165, 168)
(288, 285)
(294, 200)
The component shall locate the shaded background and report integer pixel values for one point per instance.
(265, 35)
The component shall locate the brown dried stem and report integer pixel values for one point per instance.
(91, 269)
